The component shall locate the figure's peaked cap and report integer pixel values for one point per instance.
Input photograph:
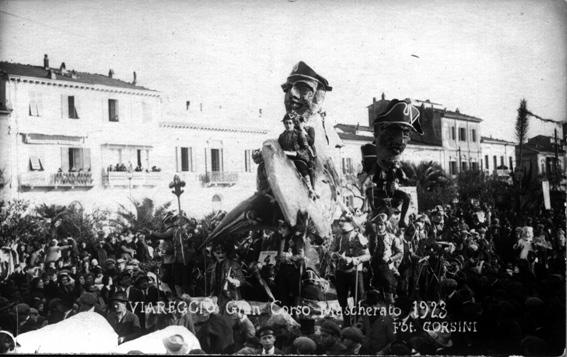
(400, 112)
(302, 71)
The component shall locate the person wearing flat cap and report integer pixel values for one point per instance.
(329, 343)
(392, 128)
(125, 323)
(267, 338)
(350, 248)
(385, 249)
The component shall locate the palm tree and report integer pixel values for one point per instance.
(145, 216)
(433, 185)
(522, 125)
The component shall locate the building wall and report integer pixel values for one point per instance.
(503, 153)
(470, 151)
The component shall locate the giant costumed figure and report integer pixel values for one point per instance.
(381, 159)
(297, 180)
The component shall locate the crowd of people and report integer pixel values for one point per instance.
(455, 280)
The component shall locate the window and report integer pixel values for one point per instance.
(501, 160)
(464, 166)
(486, 162)
(473, 135)
(185, 159)
(35, 105)
(452, 167)
(462, 134)
(146, 112)
(113, 110)
(494, 162)
(35, 164)
(69, 107)
(511, 163)
(474, 166)
(453, 133)
(248, 161)
(216, 160)
(75, 159)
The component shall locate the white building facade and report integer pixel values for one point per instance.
(67, 136)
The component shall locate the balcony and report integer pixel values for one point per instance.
(219, 178)
(125, 179)
(56, 180)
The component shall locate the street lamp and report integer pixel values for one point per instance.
(176, 184)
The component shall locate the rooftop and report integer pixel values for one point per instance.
(486, 139)
(26, 70)
(543, 143)
(366, 134)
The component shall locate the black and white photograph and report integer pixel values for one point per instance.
(283, 177)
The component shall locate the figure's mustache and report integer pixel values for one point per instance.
(397, 148)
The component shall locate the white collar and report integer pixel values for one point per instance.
(271, 351)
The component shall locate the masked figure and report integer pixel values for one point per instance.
(391, 135)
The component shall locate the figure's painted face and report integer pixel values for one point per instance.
(300, 97)
(391, 141)
(288, 123)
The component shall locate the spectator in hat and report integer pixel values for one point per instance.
(227, 277)
(213, 330)
(351, 338)
(384, 249)
(125, 323)
(350, 250)
(141, 295)
(175, 345)
(243, 329)
(291, 255)
(69, 290)
(267, 340)
(304, 346)
(329, 343)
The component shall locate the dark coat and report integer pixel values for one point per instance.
(128, 327)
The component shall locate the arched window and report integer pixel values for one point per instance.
(216, 202)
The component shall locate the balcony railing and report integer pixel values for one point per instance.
(121, 178)
(220, 178)
(58, 179)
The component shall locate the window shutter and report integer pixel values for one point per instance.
(65, 159)
(221, 166)
(191, 159)
(76, 107)
(86, 159)
(177, 154)
(64, 107)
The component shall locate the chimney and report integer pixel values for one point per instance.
(110, 73)
(457, 111)
(383, 96)
(45, 62)
(63, 68)
(187, 104)
(373, 100)
(135, 78)
(260, 112)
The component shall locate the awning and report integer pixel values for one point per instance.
(126, 145)
(53, 139)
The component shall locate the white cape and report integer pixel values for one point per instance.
(152, 343)
(85, 332)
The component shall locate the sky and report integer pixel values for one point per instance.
(481, 56)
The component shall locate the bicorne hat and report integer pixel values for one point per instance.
(400, 112)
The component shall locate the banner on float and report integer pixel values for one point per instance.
(546, 197)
